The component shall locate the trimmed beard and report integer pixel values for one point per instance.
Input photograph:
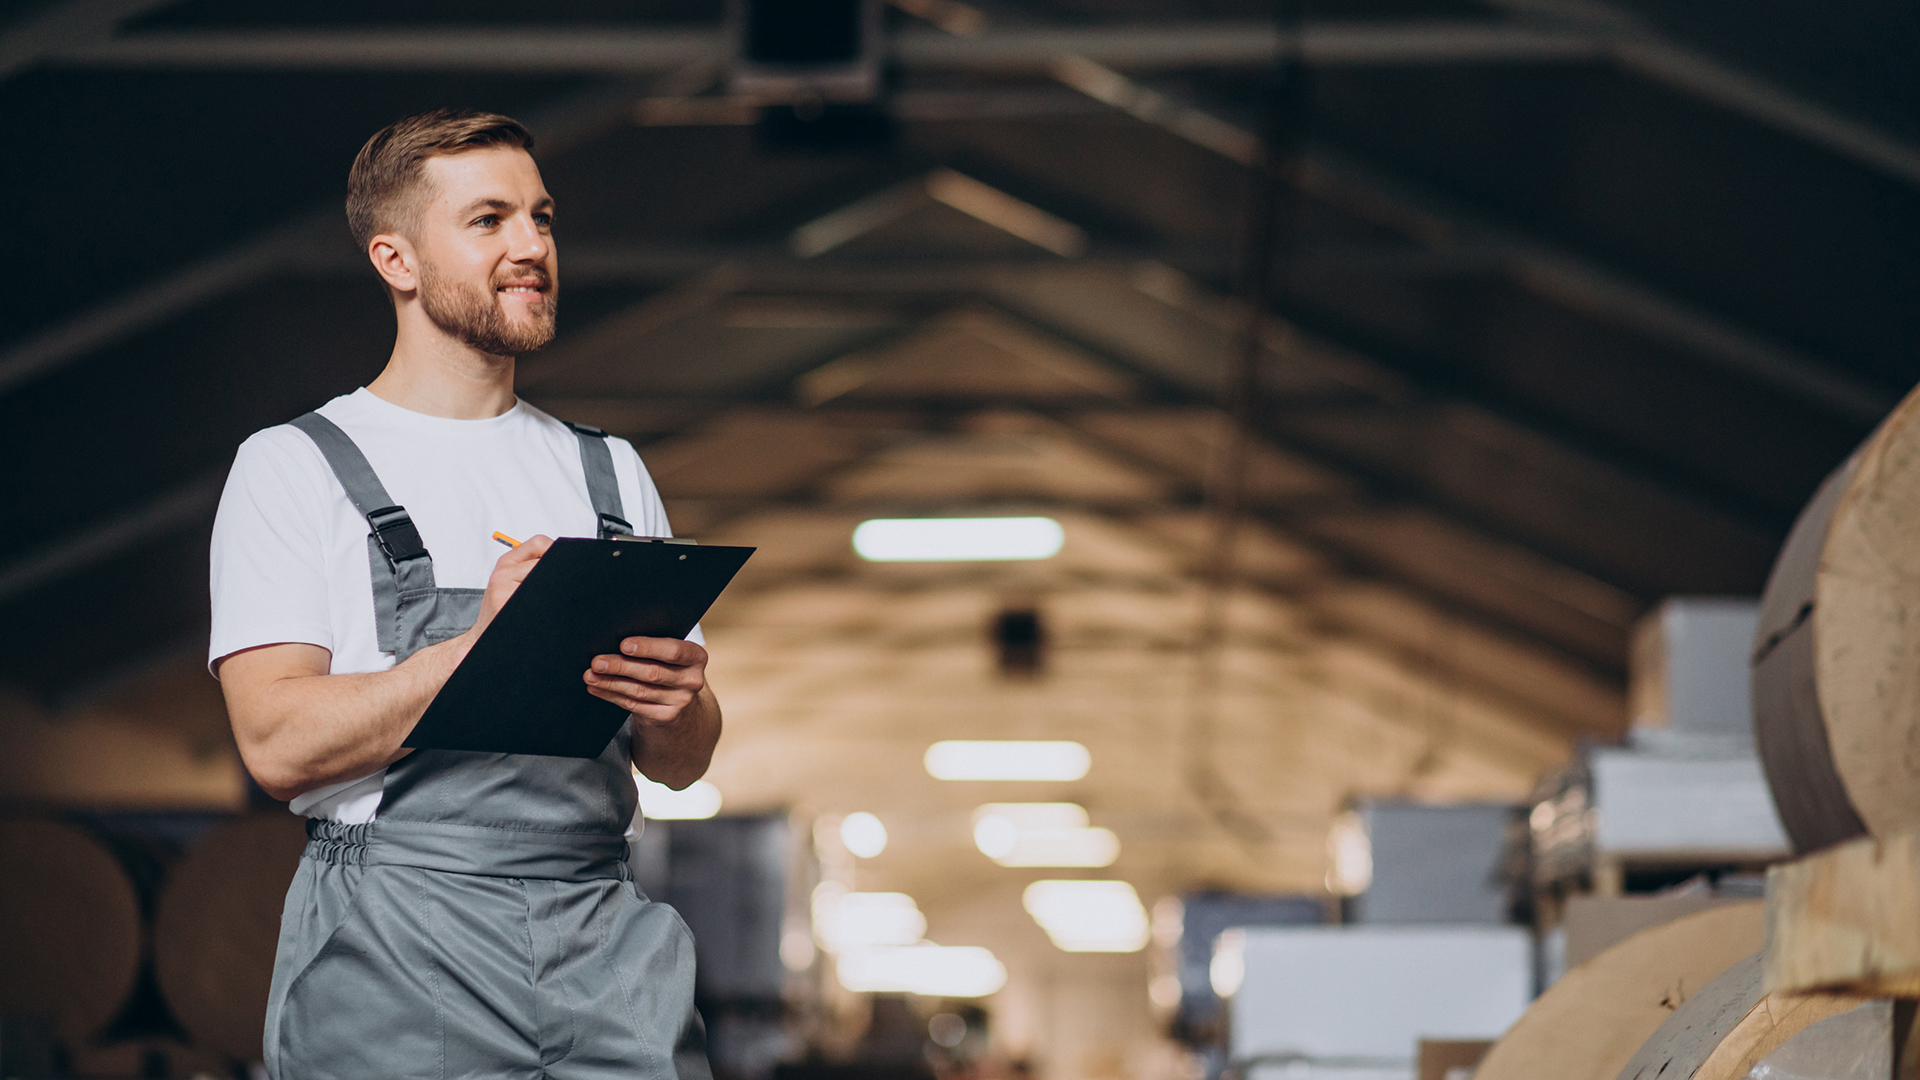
(476, 319)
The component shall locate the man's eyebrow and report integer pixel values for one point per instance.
(545, 202)
(486, 204)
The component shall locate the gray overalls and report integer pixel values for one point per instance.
(486, 923)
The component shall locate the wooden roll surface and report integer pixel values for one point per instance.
(1836, 678)
(70, 927)
(1723, 1031)
(1589, 1023)
(217, 926)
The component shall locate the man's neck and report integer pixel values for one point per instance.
(433, 373)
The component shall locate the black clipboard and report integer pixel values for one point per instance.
(520, 689)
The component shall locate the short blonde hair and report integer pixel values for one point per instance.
(386, 185)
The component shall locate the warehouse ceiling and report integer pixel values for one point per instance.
(1574, 306)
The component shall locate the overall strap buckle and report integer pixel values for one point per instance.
(603, 487)
(393, 530)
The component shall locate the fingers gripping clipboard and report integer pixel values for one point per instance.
(521, 690)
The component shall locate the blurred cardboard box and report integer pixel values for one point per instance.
(1596, 923)
(1451, 1059)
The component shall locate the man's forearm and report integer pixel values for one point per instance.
(308, 731)
(678, 753)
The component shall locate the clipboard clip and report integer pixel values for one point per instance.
(658, 540)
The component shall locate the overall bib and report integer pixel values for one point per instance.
(486, 923)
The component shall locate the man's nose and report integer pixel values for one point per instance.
(527, 243)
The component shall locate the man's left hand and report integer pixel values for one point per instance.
(655, 679)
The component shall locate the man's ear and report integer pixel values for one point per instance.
(395, 259)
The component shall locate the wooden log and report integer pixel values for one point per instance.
(1847, 919)
(1723, 1031)
(1836, 678)
(1789, 728)
(1589, 1023)
(1858, 1044)
(70, 928)
(217, 927)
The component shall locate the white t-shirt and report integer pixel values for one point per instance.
(289, 557)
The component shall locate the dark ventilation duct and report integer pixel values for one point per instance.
(1020, 640)
(814, 67)
(806, 52)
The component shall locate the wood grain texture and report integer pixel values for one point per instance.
(1766, 1027)
(70, 928)
(1790, 729)
(1866, 627)
(1588, 1024)
(1847, 919)
(1836, 675)
(217, 926)
(1722, 1032)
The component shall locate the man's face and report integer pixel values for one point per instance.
(489, 275)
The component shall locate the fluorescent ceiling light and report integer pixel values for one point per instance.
(933, 970)
(1060, 847)
(845, 920)
(661, 803)
(1007, 760)
(957, 539)
(1349, 856)
(1089, 916)
(796, 950)
(1228, 968)
(1164, 991)
(863, 835)
(1035, 815)
(1169, 921)
(1042, 834)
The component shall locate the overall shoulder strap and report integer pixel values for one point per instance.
(393, 530)
(603, 487)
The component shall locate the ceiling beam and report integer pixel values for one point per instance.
(1415, 472)
(1291, 516)
(590, 261)
(315, 238)
(638, 50)
(1640, 48)
(191, 504)
(1282, 523)
(1706, 79)
(156, 302)
(1556, 274)
(1168, 380)
(1573, 281)
(66, 25)
(77, 35)
(1456, 244)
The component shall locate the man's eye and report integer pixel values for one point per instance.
(544, 220)
(487, 221)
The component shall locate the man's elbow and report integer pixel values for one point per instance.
(675, 776)
(275, 775)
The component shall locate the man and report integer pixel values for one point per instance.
(455, 914)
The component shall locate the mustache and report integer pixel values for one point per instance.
(536, 275)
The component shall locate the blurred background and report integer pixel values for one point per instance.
(1383, 413)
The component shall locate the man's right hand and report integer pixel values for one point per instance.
(508, 573)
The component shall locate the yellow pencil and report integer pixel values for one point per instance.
(505, 539)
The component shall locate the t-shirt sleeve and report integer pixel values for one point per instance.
(646, 512)
(267, 573)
